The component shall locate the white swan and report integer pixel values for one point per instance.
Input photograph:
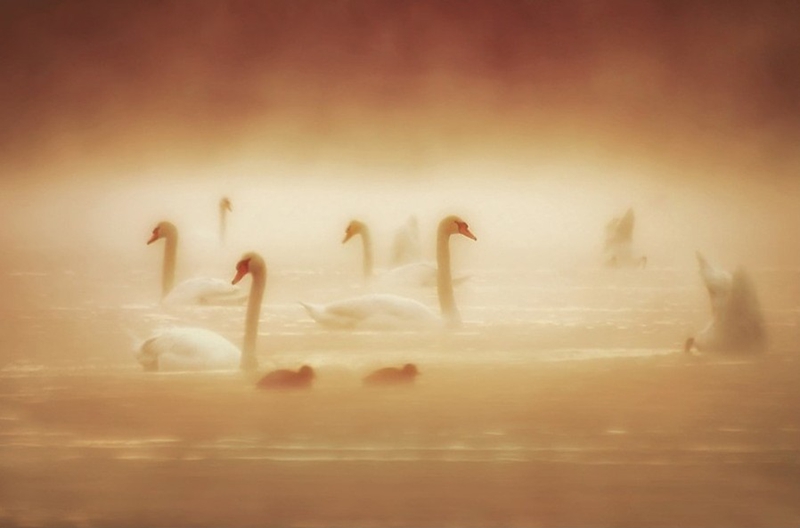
(737, 324)
(198, 290)
(411, 274)
(384, 310)
(224, 209)
(406, 245)
(619, 240)
(180, 349)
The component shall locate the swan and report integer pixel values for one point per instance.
(411, 274)
(179, 349)
(393, 376)
(288, 379)
(390, 311)
(406, 246)
(198, 290)
(224, 209)
(619, 239)
(737, 324)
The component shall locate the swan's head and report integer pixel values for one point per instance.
(353, 228)
(454, 225)
(225, 204)
(410, 370)
(306, 372)
(249, 263)
(162, 230)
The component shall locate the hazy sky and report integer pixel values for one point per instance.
(129, 85)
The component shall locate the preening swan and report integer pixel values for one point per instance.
(619, 241)
(393, 376)
(411, 274)
(737, 324)
(179, 349)
(384, 310)
(198, 290)
(288, 379)
(406, 246)
(224, 209)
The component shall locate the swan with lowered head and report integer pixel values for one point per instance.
(224, 209)
(412, 274)
(385, 310)
(179, 349)
(619, 240)
(737, 325)
(198, 290)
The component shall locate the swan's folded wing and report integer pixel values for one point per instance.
(205, 290)
(379, 310)
(189, 348)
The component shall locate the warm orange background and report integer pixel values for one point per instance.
(99, 85)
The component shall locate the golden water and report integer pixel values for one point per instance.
(563, 400)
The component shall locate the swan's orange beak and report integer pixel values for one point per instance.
(464, 230)
(242, 268)
(347, 236)
(153, 237)
(228, 206)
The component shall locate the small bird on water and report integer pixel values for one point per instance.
(288, 379)
(393, 376)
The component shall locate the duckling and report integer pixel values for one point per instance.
(393, 375)
(288, 379)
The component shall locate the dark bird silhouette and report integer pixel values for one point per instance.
(288, 379)
(393, 375)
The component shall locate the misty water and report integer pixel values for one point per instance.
(563, 399)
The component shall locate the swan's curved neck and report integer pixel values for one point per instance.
(366, 240)
(168, 270)
(249, 360)
(444, 279)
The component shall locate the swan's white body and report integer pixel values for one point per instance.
(187, 349)
(619, 243)
(182, 349)
(205, 290)
(718, 282)
(392, 311)
(737, 324)
(198, 290)
(374, 311)
(422, 274)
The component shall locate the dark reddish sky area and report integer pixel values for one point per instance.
(139, 83)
